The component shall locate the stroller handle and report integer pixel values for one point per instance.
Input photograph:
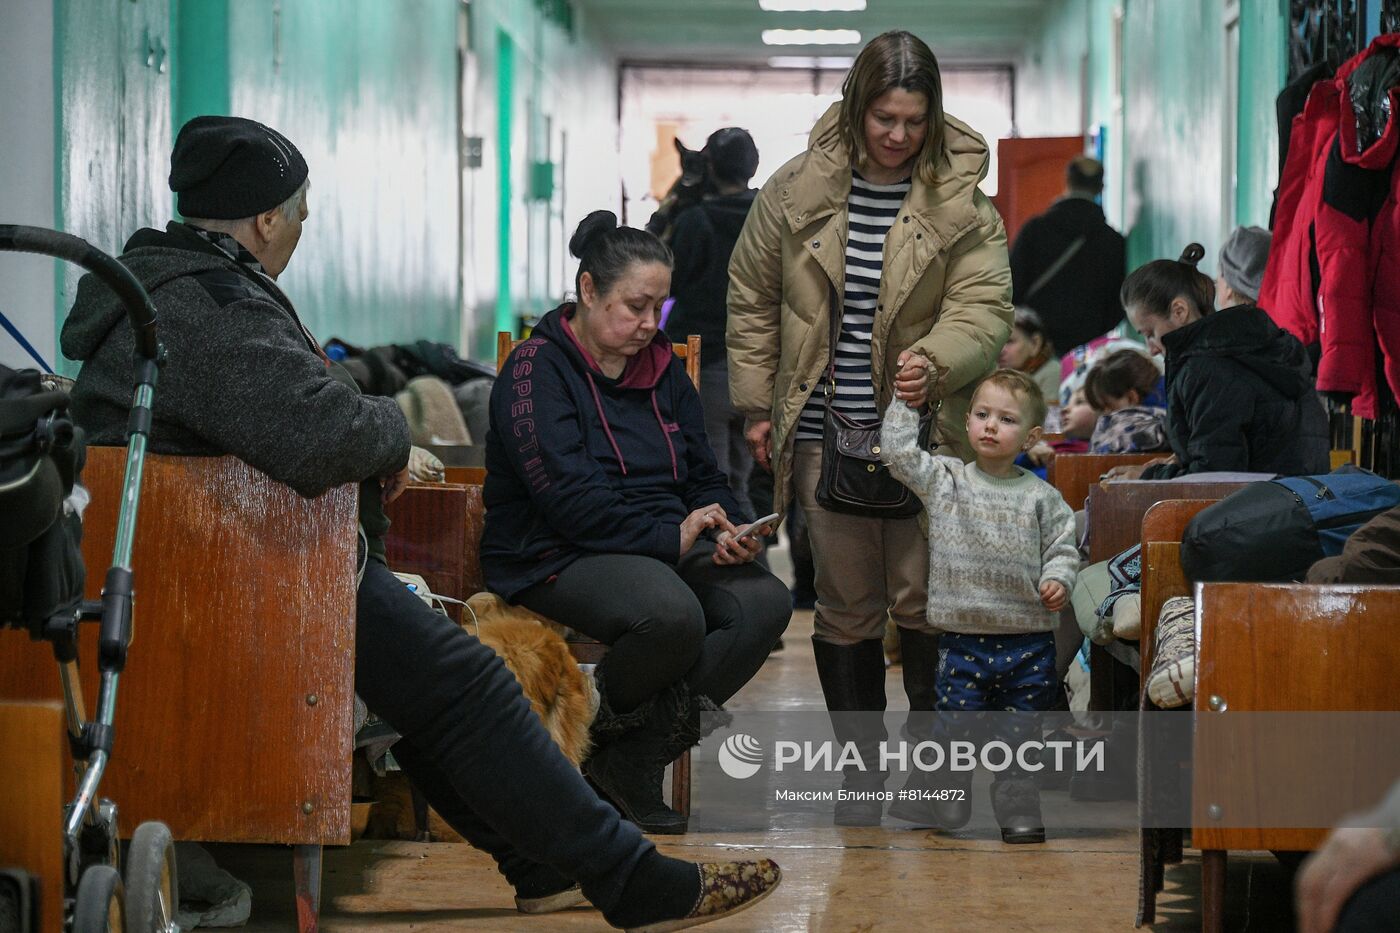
(21, 239)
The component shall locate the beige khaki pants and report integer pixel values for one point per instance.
(868, 569)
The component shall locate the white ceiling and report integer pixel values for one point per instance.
(728, 31)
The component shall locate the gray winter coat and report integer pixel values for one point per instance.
(242, 375)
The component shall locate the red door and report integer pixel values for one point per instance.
(1031, 175)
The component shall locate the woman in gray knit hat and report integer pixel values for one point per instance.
(1242, 261)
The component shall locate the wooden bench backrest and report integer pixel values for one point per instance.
(435, 532)
(234, 715)
(688, 351)
(1162, 576)
(1290, 647)
(1074, 474)
(1116, 510)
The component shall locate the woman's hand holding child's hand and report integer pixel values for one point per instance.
(920, 380)
(710, 516)
(1053, 595)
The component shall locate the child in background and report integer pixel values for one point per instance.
(1119, 385)
(1077, 420)
(1028, 349)
(1002, 566)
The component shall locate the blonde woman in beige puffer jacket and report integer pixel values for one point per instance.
(882, 213)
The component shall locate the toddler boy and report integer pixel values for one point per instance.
(1002, 563)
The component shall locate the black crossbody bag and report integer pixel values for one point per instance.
(853, 479)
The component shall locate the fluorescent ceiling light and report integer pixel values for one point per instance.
(810, 62)
(811, 37)
(812, 6)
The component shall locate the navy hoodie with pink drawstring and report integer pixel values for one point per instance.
(579, 463)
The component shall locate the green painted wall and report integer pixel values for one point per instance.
(113, 125)
(367, 91)
(1172, 91)
(562, 98)
(200, 57)
(1157, 84)
(1264, 69)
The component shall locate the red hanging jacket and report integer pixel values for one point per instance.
(1382, 268)
(1327, 214)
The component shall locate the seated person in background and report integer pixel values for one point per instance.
(245, 377)
(1352, 883)
(1077, 420)
(1242, 261)
(1118, 385)
(1240, 393)
(1028, 350)
(602, 495)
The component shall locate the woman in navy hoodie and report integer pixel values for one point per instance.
(605, 512)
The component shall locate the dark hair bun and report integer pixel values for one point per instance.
(590, 230)
(1192, 254)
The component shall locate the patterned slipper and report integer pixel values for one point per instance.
(549, 903)
(725, 889)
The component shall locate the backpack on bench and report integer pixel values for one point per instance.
(1276, 530)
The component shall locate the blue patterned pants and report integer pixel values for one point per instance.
(995, 672)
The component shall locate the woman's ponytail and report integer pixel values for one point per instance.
(1154, 286)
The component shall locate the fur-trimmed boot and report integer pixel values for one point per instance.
(1016, 803)
(699, 717)
(629, 758)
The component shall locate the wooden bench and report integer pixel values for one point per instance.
(31, 807)
(1266, 647)
(234, 717)
(1284, 647)
(1074, 475)
(1115, 515)
(435, 532)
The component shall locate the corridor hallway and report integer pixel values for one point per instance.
(834, 880)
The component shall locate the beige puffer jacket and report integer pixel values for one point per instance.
(945, 291)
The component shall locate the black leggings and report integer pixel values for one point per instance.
(713, 626)
(478, 752)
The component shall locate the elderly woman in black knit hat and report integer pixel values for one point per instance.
(245, 377)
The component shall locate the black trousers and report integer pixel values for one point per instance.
(713, 626)
(474, 747)
(1374, 908)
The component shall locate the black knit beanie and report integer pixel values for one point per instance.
(228, 168)
(732, 154)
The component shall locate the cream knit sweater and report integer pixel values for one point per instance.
(992, 541)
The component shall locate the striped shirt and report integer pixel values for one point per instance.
(872, 212)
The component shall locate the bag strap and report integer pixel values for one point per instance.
(25, 344)
(834, 335)
(1057, 265)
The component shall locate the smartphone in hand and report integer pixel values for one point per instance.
(751, 530)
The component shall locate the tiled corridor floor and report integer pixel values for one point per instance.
(890, 878)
